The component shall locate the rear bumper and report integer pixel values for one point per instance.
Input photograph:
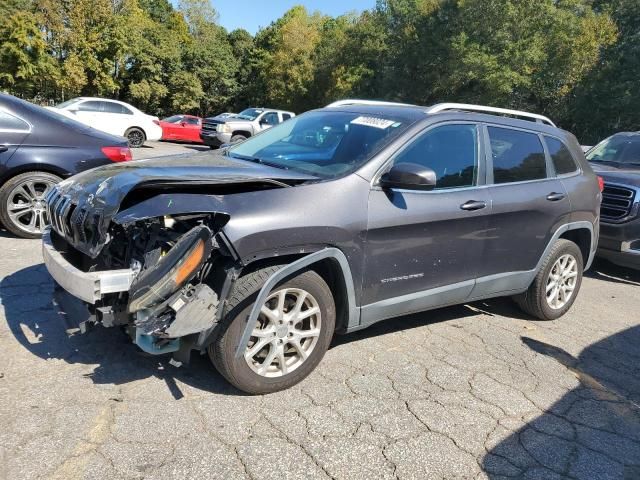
(87, 286)
(154, 132)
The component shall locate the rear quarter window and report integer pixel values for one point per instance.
(563, 161)
(517, 156)
(12, 123)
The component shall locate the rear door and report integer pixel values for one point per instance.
(89, 112)
(13, 131)
(529, 202)
(114, 118)
(423, 249)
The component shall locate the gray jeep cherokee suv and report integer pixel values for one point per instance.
(330, 222)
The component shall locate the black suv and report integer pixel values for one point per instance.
(330, 222)
(617, 161)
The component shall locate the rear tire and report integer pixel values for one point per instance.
(298, 343)
(135, 137)
(556, 285)
(22, 206)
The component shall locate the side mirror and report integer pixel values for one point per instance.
(183, 124)
(409, 176)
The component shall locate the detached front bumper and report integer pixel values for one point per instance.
(87, 286)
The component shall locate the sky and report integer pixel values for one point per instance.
(253, 14)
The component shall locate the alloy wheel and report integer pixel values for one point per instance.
(135, 138)
(561, 282)
(286, 334)
(26, 206)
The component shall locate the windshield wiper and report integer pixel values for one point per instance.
(257, 160)
(597, 160)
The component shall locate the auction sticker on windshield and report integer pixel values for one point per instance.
(381, 123)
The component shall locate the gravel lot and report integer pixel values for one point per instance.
(476, 391)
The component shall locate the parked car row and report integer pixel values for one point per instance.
(120, 118)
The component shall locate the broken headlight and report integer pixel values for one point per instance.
(156, 284)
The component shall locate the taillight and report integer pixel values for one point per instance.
(157, 122)
(601, 183)
(117, 154)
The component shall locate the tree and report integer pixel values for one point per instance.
(608, 100)
(285, 55)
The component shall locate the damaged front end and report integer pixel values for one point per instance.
(157, 277)
(142, 245)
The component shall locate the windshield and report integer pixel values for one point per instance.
(324, 144)
(173, 119)
(67, 103)
(620, 149)
(250, 113)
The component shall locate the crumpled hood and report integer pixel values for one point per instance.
(628, 175)
(95, 195)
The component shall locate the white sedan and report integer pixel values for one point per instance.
(115, 117)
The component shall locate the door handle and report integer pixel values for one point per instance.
(3, 148)
(556, 197)
(473, 205)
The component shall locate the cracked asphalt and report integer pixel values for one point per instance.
(469, 392)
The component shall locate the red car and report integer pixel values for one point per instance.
(182, 128)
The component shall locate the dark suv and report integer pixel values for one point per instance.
(329, 222)
(38, 148)
(617, 161)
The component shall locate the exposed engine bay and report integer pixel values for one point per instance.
(179, 265)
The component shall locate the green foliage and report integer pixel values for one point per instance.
(575, 60)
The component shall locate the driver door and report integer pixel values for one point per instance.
(424, 248)
(268, 120)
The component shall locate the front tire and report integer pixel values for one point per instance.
(556, 285)
(22, 206)
(136, 137)
(238, 138)
(293, 332)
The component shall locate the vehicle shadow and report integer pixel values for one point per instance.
(609, 272)
(593, 431)
(36, 324)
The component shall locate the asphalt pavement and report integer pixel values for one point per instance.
(474, 391)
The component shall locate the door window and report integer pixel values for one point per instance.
(9, 122)
(517, 156)
(562, 159)
(192, 121)
(112, 107)
(90, 106)
(270, 118)
(450, 150)
(285, 117)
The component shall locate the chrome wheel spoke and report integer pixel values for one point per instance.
(286, 333)
(268, 359)
(561, 282)
(306, 333)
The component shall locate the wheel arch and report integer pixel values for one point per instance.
(582, 238)
(144, 132)
(245, 133)
(35, 168)
(330, 263)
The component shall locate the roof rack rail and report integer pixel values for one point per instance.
(443, 107)
(342, 103)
